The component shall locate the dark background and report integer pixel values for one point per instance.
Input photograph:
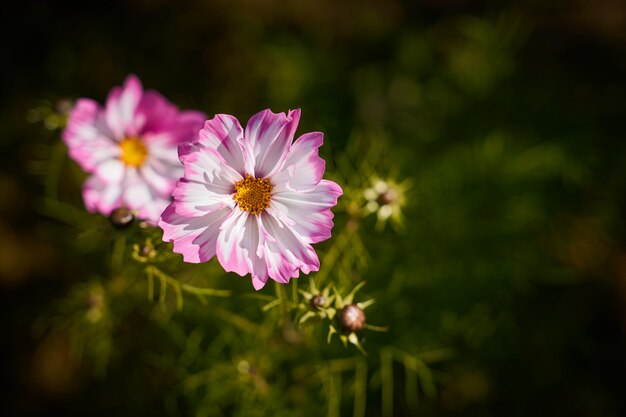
(510, 120)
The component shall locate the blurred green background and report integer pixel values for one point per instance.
(503, 289)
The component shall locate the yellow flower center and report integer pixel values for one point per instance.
(253, 194)
(134, 151)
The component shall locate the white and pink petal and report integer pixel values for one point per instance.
(137, 192)
(309, 212)
(152, 211)
(162, 185)
(284, 252)
(111, 171)
(87, 137)
(303, 168)
(270, 134)
(101, 197)
(238, 247)
(159, 121)
(120, 108)
(206, 165)
(224, 134)
(198, 198)
(193, 237)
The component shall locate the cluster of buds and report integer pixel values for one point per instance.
(144, 252)
(151, 252)
(347, 317)
(351, 319)
(123, 218)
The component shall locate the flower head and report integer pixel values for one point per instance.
(254, 198)
(129, 147)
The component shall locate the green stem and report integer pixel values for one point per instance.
(281, 294)
(179, 288)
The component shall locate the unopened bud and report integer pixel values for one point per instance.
(318, 301)
(121, 217)
(352, 318)
(388, 197)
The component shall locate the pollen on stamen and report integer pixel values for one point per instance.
(253, 194)
(133, 151)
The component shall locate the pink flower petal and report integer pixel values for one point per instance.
(187, 148)
(284, 252)
(81, 124)
(224, 134)
(138, 195)
(303, 168)
(154, 113)
(120, 108)
(111, 171)
(197, 199)
(87, 136)
(151, 211)
(193, 237)
(206, 165)
(270, 135)
(165, 154)
(161, 184)
(259, 281)
(309, 212)
(238, 247)
(136, 192)
(158, 120)
(166, 166)
(100, 196)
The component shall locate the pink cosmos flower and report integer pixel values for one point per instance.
(130, 148)
(252, 197)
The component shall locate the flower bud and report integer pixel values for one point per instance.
(390, 196)
(121, 217)
(318, 301)
(145, 252)
(352, 318)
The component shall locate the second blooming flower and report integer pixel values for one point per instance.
(129, 147)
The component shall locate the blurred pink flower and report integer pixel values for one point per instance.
(253, 198)
(130, 148)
